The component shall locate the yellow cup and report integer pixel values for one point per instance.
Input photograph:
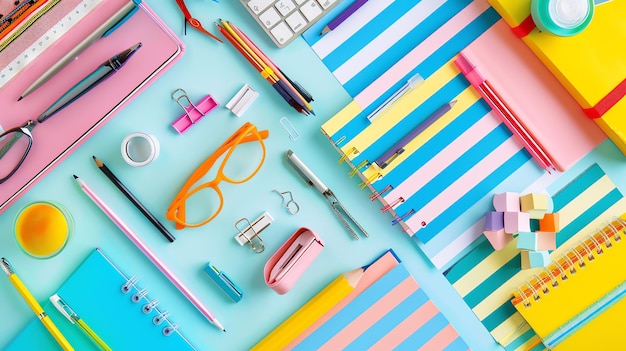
(43, 228)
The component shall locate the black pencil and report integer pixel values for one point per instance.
(118, 183)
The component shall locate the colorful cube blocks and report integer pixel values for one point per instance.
(525, 218)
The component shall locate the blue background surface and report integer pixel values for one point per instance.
(218, 69)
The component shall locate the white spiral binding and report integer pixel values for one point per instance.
(566, 265)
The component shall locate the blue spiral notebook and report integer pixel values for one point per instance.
(107, 300)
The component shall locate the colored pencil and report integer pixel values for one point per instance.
(292, 93)
(133, 199)
(398, 148)
(141, 245)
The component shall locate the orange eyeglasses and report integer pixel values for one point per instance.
(242, 156)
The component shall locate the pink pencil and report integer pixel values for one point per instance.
(146, 251)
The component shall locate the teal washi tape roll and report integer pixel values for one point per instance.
(562, 17)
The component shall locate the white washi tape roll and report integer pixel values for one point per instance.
(562, 17)
(139, 149)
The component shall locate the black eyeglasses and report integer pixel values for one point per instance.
(14, 147)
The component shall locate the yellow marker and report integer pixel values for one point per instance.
(74, 318)
(34, 305)
(321, 303)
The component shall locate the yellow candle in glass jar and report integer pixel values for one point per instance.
(42, 229)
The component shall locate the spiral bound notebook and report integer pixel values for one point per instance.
(114, 305)
(447, 174)
(578, 301)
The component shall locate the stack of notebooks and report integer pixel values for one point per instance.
(446, 176)
(439, 188)
(590, 65)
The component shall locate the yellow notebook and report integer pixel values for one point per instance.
(590, 65)
(577, 302)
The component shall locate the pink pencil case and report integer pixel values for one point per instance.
(290, 261)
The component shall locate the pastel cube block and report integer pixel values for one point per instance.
(498, 238)
(535, 259)
(515, 222)
(494, 220)
(506, 202)
(546, 241)
(539, 259)
(551, 222)
(527, 241)
(535, 204)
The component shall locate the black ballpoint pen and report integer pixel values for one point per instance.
(104, 71)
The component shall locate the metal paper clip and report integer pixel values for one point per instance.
(250, 233)
(193, 112)
(291, 130)
(288, 202)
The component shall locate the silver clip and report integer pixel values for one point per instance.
(288, 202)
(250, 233)
(180, 94)
(293, 132)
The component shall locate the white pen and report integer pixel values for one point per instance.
(413, 82)
(310, 178)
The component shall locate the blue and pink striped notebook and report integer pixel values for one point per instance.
(446, 176)
(387, 309)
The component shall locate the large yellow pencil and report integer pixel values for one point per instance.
(35, 306)
(310, 312)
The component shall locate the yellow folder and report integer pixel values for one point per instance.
(577, 302)
(590, 65)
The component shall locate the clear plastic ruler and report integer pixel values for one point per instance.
(46, 40)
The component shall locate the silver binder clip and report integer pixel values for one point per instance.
(249, 233)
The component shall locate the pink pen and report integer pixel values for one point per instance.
(509, 118)
(146, 251)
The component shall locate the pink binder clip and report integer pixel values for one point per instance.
(193, 112)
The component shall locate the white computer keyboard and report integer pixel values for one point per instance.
(284, 20)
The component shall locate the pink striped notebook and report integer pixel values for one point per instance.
(386, 310)
(58, 136)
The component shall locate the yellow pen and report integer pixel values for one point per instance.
(74, 318)
(35, 306)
